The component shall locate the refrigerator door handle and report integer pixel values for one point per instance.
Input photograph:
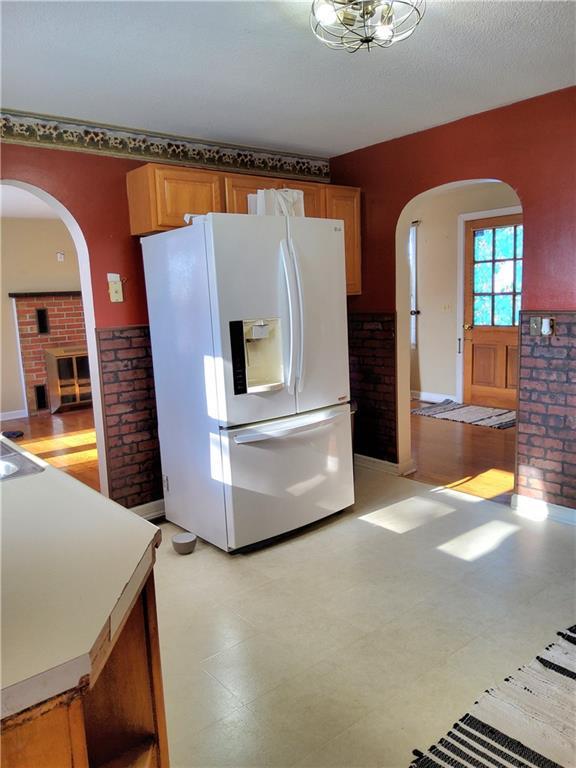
(300, 286)
(254, 436)
(288, 274)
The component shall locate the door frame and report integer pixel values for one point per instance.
(462, 219)
(89, 317)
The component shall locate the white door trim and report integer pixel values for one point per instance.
(20, 362)
(89, 319)
(462, 219)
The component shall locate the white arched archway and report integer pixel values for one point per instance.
(403, 348)
(89, 319)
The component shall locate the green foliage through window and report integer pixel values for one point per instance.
(497, 278)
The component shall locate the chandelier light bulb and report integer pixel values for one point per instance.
(326, 14)
(351, 25)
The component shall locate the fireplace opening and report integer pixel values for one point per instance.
(42, 320)
(41, 398)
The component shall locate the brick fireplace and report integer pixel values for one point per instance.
(45, 320)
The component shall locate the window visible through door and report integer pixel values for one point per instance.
(497, 279)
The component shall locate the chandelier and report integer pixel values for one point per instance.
(365, 23)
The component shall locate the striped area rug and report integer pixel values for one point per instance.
(529, 721)
(498, 418)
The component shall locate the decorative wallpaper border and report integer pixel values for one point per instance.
(64, 133)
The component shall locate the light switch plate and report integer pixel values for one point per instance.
(116, 292)
(535, 326)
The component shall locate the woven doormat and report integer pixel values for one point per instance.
(527, 721)
(497, 418)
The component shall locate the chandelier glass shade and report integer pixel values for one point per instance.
(365, 23)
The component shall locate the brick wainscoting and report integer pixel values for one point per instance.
(129, 410)
(546, 456)
(65, 326)
(372, 349)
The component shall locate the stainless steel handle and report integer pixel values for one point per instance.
(253, 436)
(300, 286)
(286, 263)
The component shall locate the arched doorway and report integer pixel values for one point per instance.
(431, 345)
(81, 249)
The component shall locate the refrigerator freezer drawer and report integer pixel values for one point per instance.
(283, 474)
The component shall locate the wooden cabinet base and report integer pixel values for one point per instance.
(115, 721)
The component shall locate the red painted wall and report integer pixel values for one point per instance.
(531, 145)
(93, 189)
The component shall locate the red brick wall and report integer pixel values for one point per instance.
(546, 456)
(372, 351)
(66, 325)
(129, 409)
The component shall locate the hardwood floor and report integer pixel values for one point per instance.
(65, 440)
(468, 458)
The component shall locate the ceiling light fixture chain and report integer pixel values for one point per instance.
(365, 24)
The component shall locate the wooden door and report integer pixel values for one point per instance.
(344, 203)
(185, 190)
(239, 187)
(492, 300)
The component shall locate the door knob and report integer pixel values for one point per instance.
(468, 327)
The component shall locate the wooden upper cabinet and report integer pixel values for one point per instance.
(344, 203)
(238, 187)
(160, 195)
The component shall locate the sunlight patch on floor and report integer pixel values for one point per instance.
(474, 544)
(487, 484)
(407, 515)
(71, 459)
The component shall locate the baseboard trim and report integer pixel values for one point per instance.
(536, 509)
(151, 510)
(388, 467)
(7, 415)
(431, 397)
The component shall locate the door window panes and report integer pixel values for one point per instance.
(503, 310)
(483, 240)
(497, 275)
(504, 243)
(482, 310)
(517, 307)
(504, 277)
(483, 277)
(519, 241)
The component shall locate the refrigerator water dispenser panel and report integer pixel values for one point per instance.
(256, 355)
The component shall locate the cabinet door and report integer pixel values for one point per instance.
(344, 203)
(314, 203)
(239, 187)
(185, 190)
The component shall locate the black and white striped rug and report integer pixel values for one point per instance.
(480, 415)
(528, 721)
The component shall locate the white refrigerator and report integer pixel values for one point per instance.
(250, 353)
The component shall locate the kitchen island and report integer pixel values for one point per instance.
(81, 675)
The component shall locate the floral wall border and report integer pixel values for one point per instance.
(64, 133)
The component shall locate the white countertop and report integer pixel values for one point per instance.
(72, 563)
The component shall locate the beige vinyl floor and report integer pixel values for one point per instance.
(357, 640)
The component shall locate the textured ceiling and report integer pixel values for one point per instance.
(19, 204)
(253, 73)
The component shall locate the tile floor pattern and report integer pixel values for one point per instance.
(363, 637)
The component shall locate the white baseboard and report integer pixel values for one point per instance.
(7, 415)
(149, 511)
(389, 467)
(536, 509)
(431, 397)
